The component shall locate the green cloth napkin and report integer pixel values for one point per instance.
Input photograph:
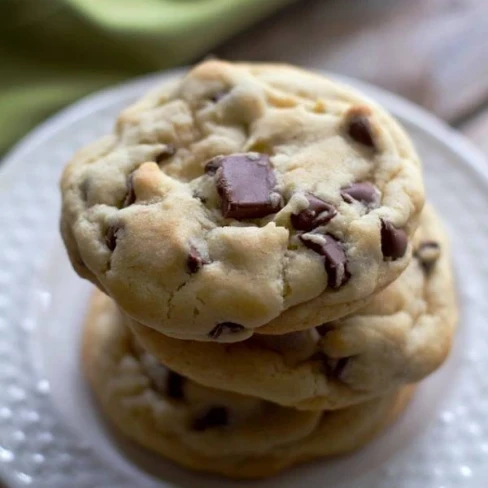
(55, 51)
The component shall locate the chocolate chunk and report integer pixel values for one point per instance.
(195, 260)
(359, 126)
(111, 236)
(317, 213)
(174, 385)
(335, 260)
(394, 241)
(214, 417)
(224, 328)
(165, 154)
(427, 253)
(130, 197)
(364, 192)
(245, 183)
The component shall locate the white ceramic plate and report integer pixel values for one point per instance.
(50, 433)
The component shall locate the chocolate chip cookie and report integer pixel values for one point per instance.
(207, 429)
(242, 198)
(401, 336)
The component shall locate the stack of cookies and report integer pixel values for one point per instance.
(271, 284)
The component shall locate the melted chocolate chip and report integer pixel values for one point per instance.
(130, 197)
(335, 260)
(224, 328)
(195, 260)
(174, 385)
(394, 241)
(111, 236)
(245, 183)
(165, 154)
(359, 127)
(214, 417)
(427, 253)
(317, 213)
(364, 192)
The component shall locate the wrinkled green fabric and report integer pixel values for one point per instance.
(55, 51)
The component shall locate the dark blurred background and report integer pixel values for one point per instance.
(434, 52)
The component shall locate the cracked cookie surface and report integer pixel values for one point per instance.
(240, 197)
(207, 429)
(401, 336)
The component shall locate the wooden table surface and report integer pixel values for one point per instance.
(434, 52)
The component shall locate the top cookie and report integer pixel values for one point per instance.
(240, 193)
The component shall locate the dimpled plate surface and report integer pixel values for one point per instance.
(50, 433)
